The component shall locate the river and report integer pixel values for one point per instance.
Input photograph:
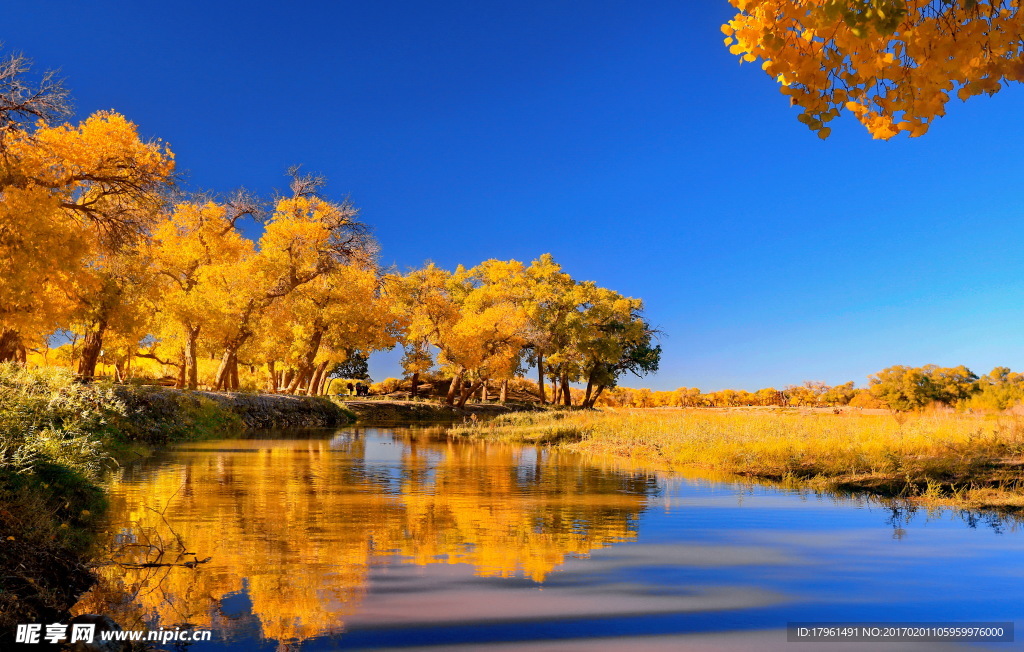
(378, 538)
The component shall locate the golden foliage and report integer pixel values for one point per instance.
(894, 64)
(69, 195)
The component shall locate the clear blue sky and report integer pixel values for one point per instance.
(622, 137)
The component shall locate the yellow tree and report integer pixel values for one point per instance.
(615, 339)
(416, 300)
(306, 237)
(549, 304)
(109, 297)
(487, 340)
(474, 318)
(427, 310)
(67, 193)
(328, 319)
(196, 252)
(894, 64)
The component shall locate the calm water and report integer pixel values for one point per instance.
(381, 538)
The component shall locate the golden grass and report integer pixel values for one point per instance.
(959, 459)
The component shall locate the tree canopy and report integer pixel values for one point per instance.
(894, 64)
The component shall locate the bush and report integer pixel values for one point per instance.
(385, 386)
(46, 415)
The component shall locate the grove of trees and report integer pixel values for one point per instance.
(100, 250)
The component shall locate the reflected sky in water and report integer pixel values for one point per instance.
(399, 538)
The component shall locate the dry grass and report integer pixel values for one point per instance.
(947, 458)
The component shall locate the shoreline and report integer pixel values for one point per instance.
(937, 460)
(67, 433)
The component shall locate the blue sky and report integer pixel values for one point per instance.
(621, 137)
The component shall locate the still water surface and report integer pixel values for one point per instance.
(372, 538)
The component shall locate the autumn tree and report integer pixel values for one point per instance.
(196, 252)
(110, 302)
(494, 321)
(549, 304)
(327, 320)
(894, 64)
(417, 359)
(423, 302)
(911, 388)
(998, 390)
(617, 340)
(67, 193)
(305, 238)
(474, 318)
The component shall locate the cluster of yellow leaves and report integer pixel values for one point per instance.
(892, 63)
(70, 195)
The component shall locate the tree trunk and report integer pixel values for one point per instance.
(590, 388)
(306, 368)
(314, 382)
(566, 394)
(233, 377)
(597, 395)
(10, 343)
(180, 382)
(540, 378)
(468, 392)
(415, 384)
(91, 349)
(272, 381)
(325, 381)
(224, 373)
(483, 392)
(503, 396)
(297, 380)
(191, 358)
(454, 387)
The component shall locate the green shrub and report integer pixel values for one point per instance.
(46, 415)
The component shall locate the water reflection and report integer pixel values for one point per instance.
(292, 527)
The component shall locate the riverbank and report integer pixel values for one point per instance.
(58, 436)
(960, 460)
(380, 411)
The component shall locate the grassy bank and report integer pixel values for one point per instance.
(58, 435)
(384, 410)
(955, 459)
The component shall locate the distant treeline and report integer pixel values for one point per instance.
(896, 388)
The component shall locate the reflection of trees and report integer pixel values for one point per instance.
(489, 507)
(298, 526)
